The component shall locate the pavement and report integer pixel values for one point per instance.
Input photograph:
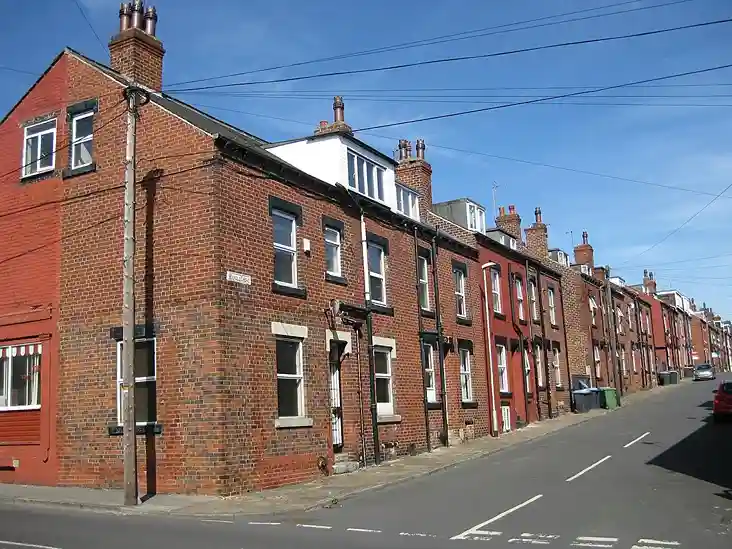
(653, 474)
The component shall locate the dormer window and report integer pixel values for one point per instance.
(476, 218)
(406, 200)
(365, 177)
(512, 243)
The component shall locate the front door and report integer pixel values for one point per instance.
(336, 406)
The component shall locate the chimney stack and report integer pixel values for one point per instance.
(600, 273)
(651, 283)
(415, 173)
(135, 52)
(537, 237)
(510, 222)
(338, 110)
(584, 254)
(339, 119)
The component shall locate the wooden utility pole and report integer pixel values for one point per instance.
(135, 97)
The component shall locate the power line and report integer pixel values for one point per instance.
(19, 71)
(541, 100)
(91, 27)
(688, 260)
(479, 153)
(453, 37)
(454, 59)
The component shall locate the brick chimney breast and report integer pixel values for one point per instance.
(651, 283)
(509, 222)
(415, 173)
(584, 254)
(135, 51)
(537, 237)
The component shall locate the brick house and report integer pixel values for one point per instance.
(700, 338)
(297, 313)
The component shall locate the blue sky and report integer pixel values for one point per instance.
(676, 146)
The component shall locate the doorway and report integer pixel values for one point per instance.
(336, 401)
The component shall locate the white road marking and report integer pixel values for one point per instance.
(590, 544)
(659, 542)
(477, 527)
(221, 521)
(32, 545)
(315, 526)
(265, 523)
(601, 540)
(487, 533)
(533, 539)
(364, 530)
(417, 535)
(594, 541)
(650, 546)
(586, 469)
(644, 435)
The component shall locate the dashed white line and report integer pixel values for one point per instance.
(315, 526)
(644, 435)
(486, 533)
(253, 523)
(32, 545)
(499, 516)
(594, 541)
(658, 542)
(220, 521)
(417, 535)
(586, 469)
(363, 530)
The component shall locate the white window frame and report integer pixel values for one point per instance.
(291, 249)
(520, 298)
(593, 310)
(7, 352)
(29, 170)
(424, 283)
(538, 365)
(461, 303)
(466, 377)
(552, 306)
(428, 351)
(557, 364)
(334, 242)
(381, 276)
(527, 370)
(475, 216)
(623, 364)
(648, 323)
(386, 408)
(630, 317)
(299, 376)
(407, 201)
(504, 383)
(496, 290)
(633, 360)
(138, 380)
(534, 302)
(360, 180)
(596, 358)
(621, 319)
(77, 141)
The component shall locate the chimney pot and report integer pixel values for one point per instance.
(645, 273)
(323, 123)
(511, 209)
(650, 275)
(402, 149)
(125, 12)
(338, 109)
(151, 20)
(408, 148)
(420, 149)
(137, 15)
(501, 211)
(585, 237)
(537, 214)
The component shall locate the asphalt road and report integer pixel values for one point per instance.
(657, 474)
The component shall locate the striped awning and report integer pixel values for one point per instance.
(21, 350)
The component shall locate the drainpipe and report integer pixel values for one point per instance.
(638, 333)
(489, 350)
(440, 339)
(531, 343)
(566, 349)
(420, 323)
(361, 422)
(547, 378)
(511, 290)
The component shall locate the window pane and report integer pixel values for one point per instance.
(25, 380)
(370, 179)
(146, 402)
(383, 395)
(144, 359)
(283, 267)
(360, 176)
(47, 144)
(374, 256)
(288, 397)
(4, 363)
(351, 171)
(424, 296)
(377, 289)
(38, 128)
(83, 153)
(83, 127)
(380, 184)
(381, 362)
(31, 155)
(331, 258)
(283, 229)
(287, 357)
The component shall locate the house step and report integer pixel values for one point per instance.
(344, 464)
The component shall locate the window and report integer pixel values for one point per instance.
(476, 218)
(504, 385)
(145, 382)
(552, 306)
(377, 281)
(593, 310)
(630, 317)
(648, 323)
(556, 362)
(527, 371)
(424, 284)
(407, 202)
(39, 148)
(365, 177)
(520, 298)
(460, 305)
(623, 365)
(466, 379)
(496, 287)
(619, 314)
(538, 365)
(512, 243)
(429, 371)
(382, 363)
(20, 376)
(633, 353)
(285, 248)
(290, 393)
(82, 136)
(596, 357)
(332, 251)
(532, 298)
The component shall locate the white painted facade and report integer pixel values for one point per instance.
(327, 158)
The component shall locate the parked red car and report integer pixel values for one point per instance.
(722, 407)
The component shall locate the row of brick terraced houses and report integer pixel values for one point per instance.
(304, 307)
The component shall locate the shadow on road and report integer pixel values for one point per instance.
(706, 455)
(707, 405)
